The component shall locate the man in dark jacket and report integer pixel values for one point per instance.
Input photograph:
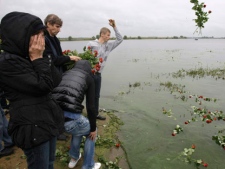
(75, 85)
(53, 47)
(27, 79)
(52, 43)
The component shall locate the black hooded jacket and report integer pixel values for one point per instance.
(34, 116)
(75, 85)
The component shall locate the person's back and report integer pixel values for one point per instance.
(75, 85)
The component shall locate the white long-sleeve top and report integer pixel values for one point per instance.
(105, 48)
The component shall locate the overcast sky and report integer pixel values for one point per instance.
(84, 18)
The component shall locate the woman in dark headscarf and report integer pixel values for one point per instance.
(27, 80)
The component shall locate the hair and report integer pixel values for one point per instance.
(53, 19)
(104, 30)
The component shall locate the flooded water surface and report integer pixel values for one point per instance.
(154, 84)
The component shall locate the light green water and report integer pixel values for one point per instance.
(146, 134)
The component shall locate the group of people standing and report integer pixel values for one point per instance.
(45, 100)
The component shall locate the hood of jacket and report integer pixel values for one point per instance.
(83, 65)
(16, 30)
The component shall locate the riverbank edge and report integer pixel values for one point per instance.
(112, 150)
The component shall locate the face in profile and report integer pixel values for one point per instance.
(53, 29)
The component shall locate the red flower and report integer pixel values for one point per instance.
(200, 97)
(93, 71)
(210, 11)
(117, 145)
(204, 6)
(68, 51)
(97, 65)
(97, 68)
(205, 164)
(186, 122)
(193, 146)
(100, 60)
(89, 48)
(64, 52)
(208, 121)
(173, 134)
(96, 53)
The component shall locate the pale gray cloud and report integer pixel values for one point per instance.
(133, 17)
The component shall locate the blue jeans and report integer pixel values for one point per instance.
(78, 128)
(4, 136)
(42, 156)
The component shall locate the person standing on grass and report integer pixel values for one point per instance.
(103, 47)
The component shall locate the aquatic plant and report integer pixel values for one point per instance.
(200, 72)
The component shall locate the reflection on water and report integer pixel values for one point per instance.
(146, 134)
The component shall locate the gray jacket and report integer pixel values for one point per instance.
(105, 48)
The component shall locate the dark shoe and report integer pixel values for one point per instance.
(6, 152)
(100, 117)
(61, 137)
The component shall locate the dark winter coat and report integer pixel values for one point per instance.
(53, 48)
(34, 116)
(75, 85)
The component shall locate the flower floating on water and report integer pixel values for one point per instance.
(205, 164)
(186, 122)
(177, 130)
(220, 140)
(167, 112)
(187, 157)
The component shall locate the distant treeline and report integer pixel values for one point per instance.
(70, 38)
